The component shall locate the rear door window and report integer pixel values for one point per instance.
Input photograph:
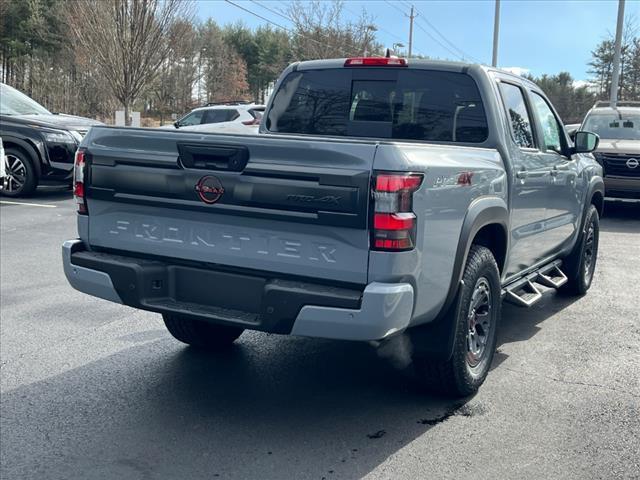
(221, 115)
(406, 104)
(516, 106)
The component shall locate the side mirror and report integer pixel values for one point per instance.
(586, 142)
(176, 124)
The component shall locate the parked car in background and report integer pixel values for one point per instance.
(226, 127)
(2, 165)
(382, 195)
(39, 145)
(619, 148)
(242, 113)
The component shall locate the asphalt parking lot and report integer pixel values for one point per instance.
(92, 390)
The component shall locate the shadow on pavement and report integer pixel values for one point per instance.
(43, 194)
(53, 193)
(520, 324)
(271, 407)
(621, 217)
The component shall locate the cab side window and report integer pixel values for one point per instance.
(548, 122)
(513, 99)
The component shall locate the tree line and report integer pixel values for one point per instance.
(91, 57)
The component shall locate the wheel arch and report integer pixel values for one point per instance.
(485, 223)
(14, 142)
(595, 197)
(597, 200)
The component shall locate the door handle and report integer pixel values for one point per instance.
(522, 174)
(554, 172)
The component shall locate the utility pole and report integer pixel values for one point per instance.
(411, 17)
(615, 77)
(496, 33)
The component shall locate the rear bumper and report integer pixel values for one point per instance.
(252, 301)
(622, 187)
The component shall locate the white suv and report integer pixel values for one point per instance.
(240, 113)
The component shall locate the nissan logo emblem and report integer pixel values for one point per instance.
(632, 163)
(209, 189)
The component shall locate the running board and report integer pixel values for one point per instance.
(553, 278)
(524, 292)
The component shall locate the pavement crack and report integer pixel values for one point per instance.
(569, 382)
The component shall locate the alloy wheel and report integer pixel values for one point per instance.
(589, 253)
(479, 322)
(16, 173)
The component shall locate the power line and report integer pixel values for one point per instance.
(292, 32)
(377, 26)
(461, 53)
(399, 38)
(395, 6)
(457, 55)
(288, 18)
(271, 10)
(423, 18)
(258, 15)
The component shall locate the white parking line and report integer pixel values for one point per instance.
(28, 204)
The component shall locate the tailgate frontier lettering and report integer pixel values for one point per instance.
(215, 238)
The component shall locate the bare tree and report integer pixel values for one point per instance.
(172, 89)
(321, 31)
(127, 39)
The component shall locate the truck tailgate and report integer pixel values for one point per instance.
(279, 204)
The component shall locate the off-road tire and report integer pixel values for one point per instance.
(457, 377)
(579, 266)
(30, 174)
(201, 334)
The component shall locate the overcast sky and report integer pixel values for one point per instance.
(539, 36)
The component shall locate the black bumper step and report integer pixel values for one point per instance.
(255, 301)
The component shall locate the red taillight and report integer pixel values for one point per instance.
(394, 223)
(78, 182)
(397, 183)
(255, 121)
(375, 62)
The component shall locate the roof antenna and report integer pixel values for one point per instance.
(388, 53)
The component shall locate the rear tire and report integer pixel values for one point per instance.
(580, 265)
(201, 334)
(476, 314)
(21, 177)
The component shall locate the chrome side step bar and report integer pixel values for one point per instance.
(524, 295)
(524, 292)
(552, 278)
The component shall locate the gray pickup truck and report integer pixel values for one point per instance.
(382, 197)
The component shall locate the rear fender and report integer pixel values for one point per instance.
(435, 339)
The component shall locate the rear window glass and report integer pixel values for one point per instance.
(399, 104)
